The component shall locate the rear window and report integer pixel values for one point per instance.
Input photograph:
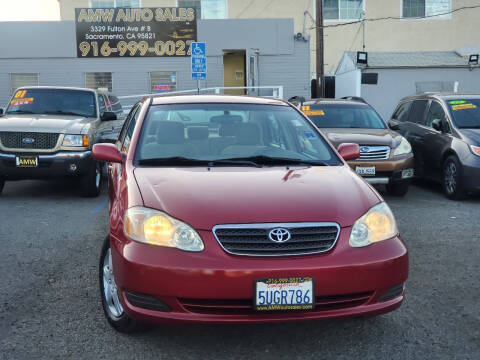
(226, 131)
(465, 113)
(343, 116)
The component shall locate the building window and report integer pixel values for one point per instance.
(19, 80)
(342, 9)
(422, 8)
(194, 4)
(98, 80)
(214, 9)
(115, 3)
(163, 81)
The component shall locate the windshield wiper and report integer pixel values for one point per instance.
(19, 112)
(61, 112)
(260, 160)
(176, 160)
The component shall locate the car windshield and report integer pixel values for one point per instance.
(465, 113)
(243, 134)
(343, 116)
(53, 102)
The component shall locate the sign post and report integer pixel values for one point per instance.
(199, 62)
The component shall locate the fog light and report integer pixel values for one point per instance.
(408, 173)
(73, 167)
(393, 292)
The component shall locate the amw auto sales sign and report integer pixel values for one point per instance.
(123, 32)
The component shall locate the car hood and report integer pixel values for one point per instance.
(45, 123)
(204, 198)
(471, 134)
(384, 137)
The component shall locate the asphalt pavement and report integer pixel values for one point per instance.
(50, 239)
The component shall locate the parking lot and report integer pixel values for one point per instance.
(50, 304)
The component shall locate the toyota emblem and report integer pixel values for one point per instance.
(279, 235)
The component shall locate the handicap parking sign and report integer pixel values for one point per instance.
(199, 61)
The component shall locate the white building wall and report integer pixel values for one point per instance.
(348, 84)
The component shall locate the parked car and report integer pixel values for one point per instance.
(49, 132)
(444, 130)
(385, 156)
(231, 209)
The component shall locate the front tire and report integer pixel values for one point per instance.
(452, 179)
(111, 304)
(398, 189)
(91, 181)
(2, 184)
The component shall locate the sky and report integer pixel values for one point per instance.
(29, 10)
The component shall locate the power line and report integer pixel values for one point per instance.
(264, 8)
(399, 18)
(245, 8)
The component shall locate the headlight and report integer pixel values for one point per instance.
(154, 227)
(475, 149)
(75, 140)
(376, 225)
(403, 148)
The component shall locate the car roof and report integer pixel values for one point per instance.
(442, 96)
(345, 102)
(208, 99)
(66, 88)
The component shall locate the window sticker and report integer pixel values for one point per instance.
(20, 94)
(463, 107)
(314, 113)
(457, 102)
(24, 101)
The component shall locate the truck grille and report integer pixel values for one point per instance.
(374, 152)
(29, 140)
(257, 239)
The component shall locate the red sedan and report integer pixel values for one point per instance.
(228, 209)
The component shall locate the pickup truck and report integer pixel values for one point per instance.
(49, 132)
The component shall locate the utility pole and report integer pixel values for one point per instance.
(319, 50)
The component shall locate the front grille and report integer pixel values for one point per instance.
(29, 140)
(254, 240)
(374, 152)
(245, 306)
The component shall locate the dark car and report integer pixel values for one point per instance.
(385, 156)
(444, 131)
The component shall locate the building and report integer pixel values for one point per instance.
(391, 76)
(393, 25)
(239, 52)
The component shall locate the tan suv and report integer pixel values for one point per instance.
(49, 132)
(385, 156)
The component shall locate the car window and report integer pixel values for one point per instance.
(465, 113)
(225, 131)
(123, 132)
(101, 104)
(130, 128)
(417, 114)
(401, 114)
(114, 103)
(53, 101)
(435, 111)
(343, 116)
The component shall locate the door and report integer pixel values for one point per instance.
(252, 71)
(234, 71)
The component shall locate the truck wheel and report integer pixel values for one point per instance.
(398, 189)
(2, 184)
(91, 181)
(111, 304)
(452, 179)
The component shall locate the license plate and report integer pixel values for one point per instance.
(26, 161)
(284, 294)
(365, 170)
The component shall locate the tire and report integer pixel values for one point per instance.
(452, 179)
(91, 181)
(111, 305)
(2, 184)
(398, 188)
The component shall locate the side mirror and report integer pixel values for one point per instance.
(349, 151)
(437, 124)
(108, 116)
(393, 125)
(1, 111)
(107, 153)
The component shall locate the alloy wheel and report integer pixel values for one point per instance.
(98, 175)
(110, 293)
(450, 177)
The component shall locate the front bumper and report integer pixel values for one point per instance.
(215, 287)
(388, 171)
(63, 163)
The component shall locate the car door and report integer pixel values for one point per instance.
(435, 141)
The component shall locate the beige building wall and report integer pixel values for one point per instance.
(443, 33)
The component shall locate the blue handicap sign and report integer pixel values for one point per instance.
(199, 61)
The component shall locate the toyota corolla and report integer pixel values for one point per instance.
(228, 209)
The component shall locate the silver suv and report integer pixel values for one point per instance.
(49, 132)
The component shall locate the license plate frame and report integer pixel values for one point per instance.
(26, 161)
(288, 284)
(366, 170)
